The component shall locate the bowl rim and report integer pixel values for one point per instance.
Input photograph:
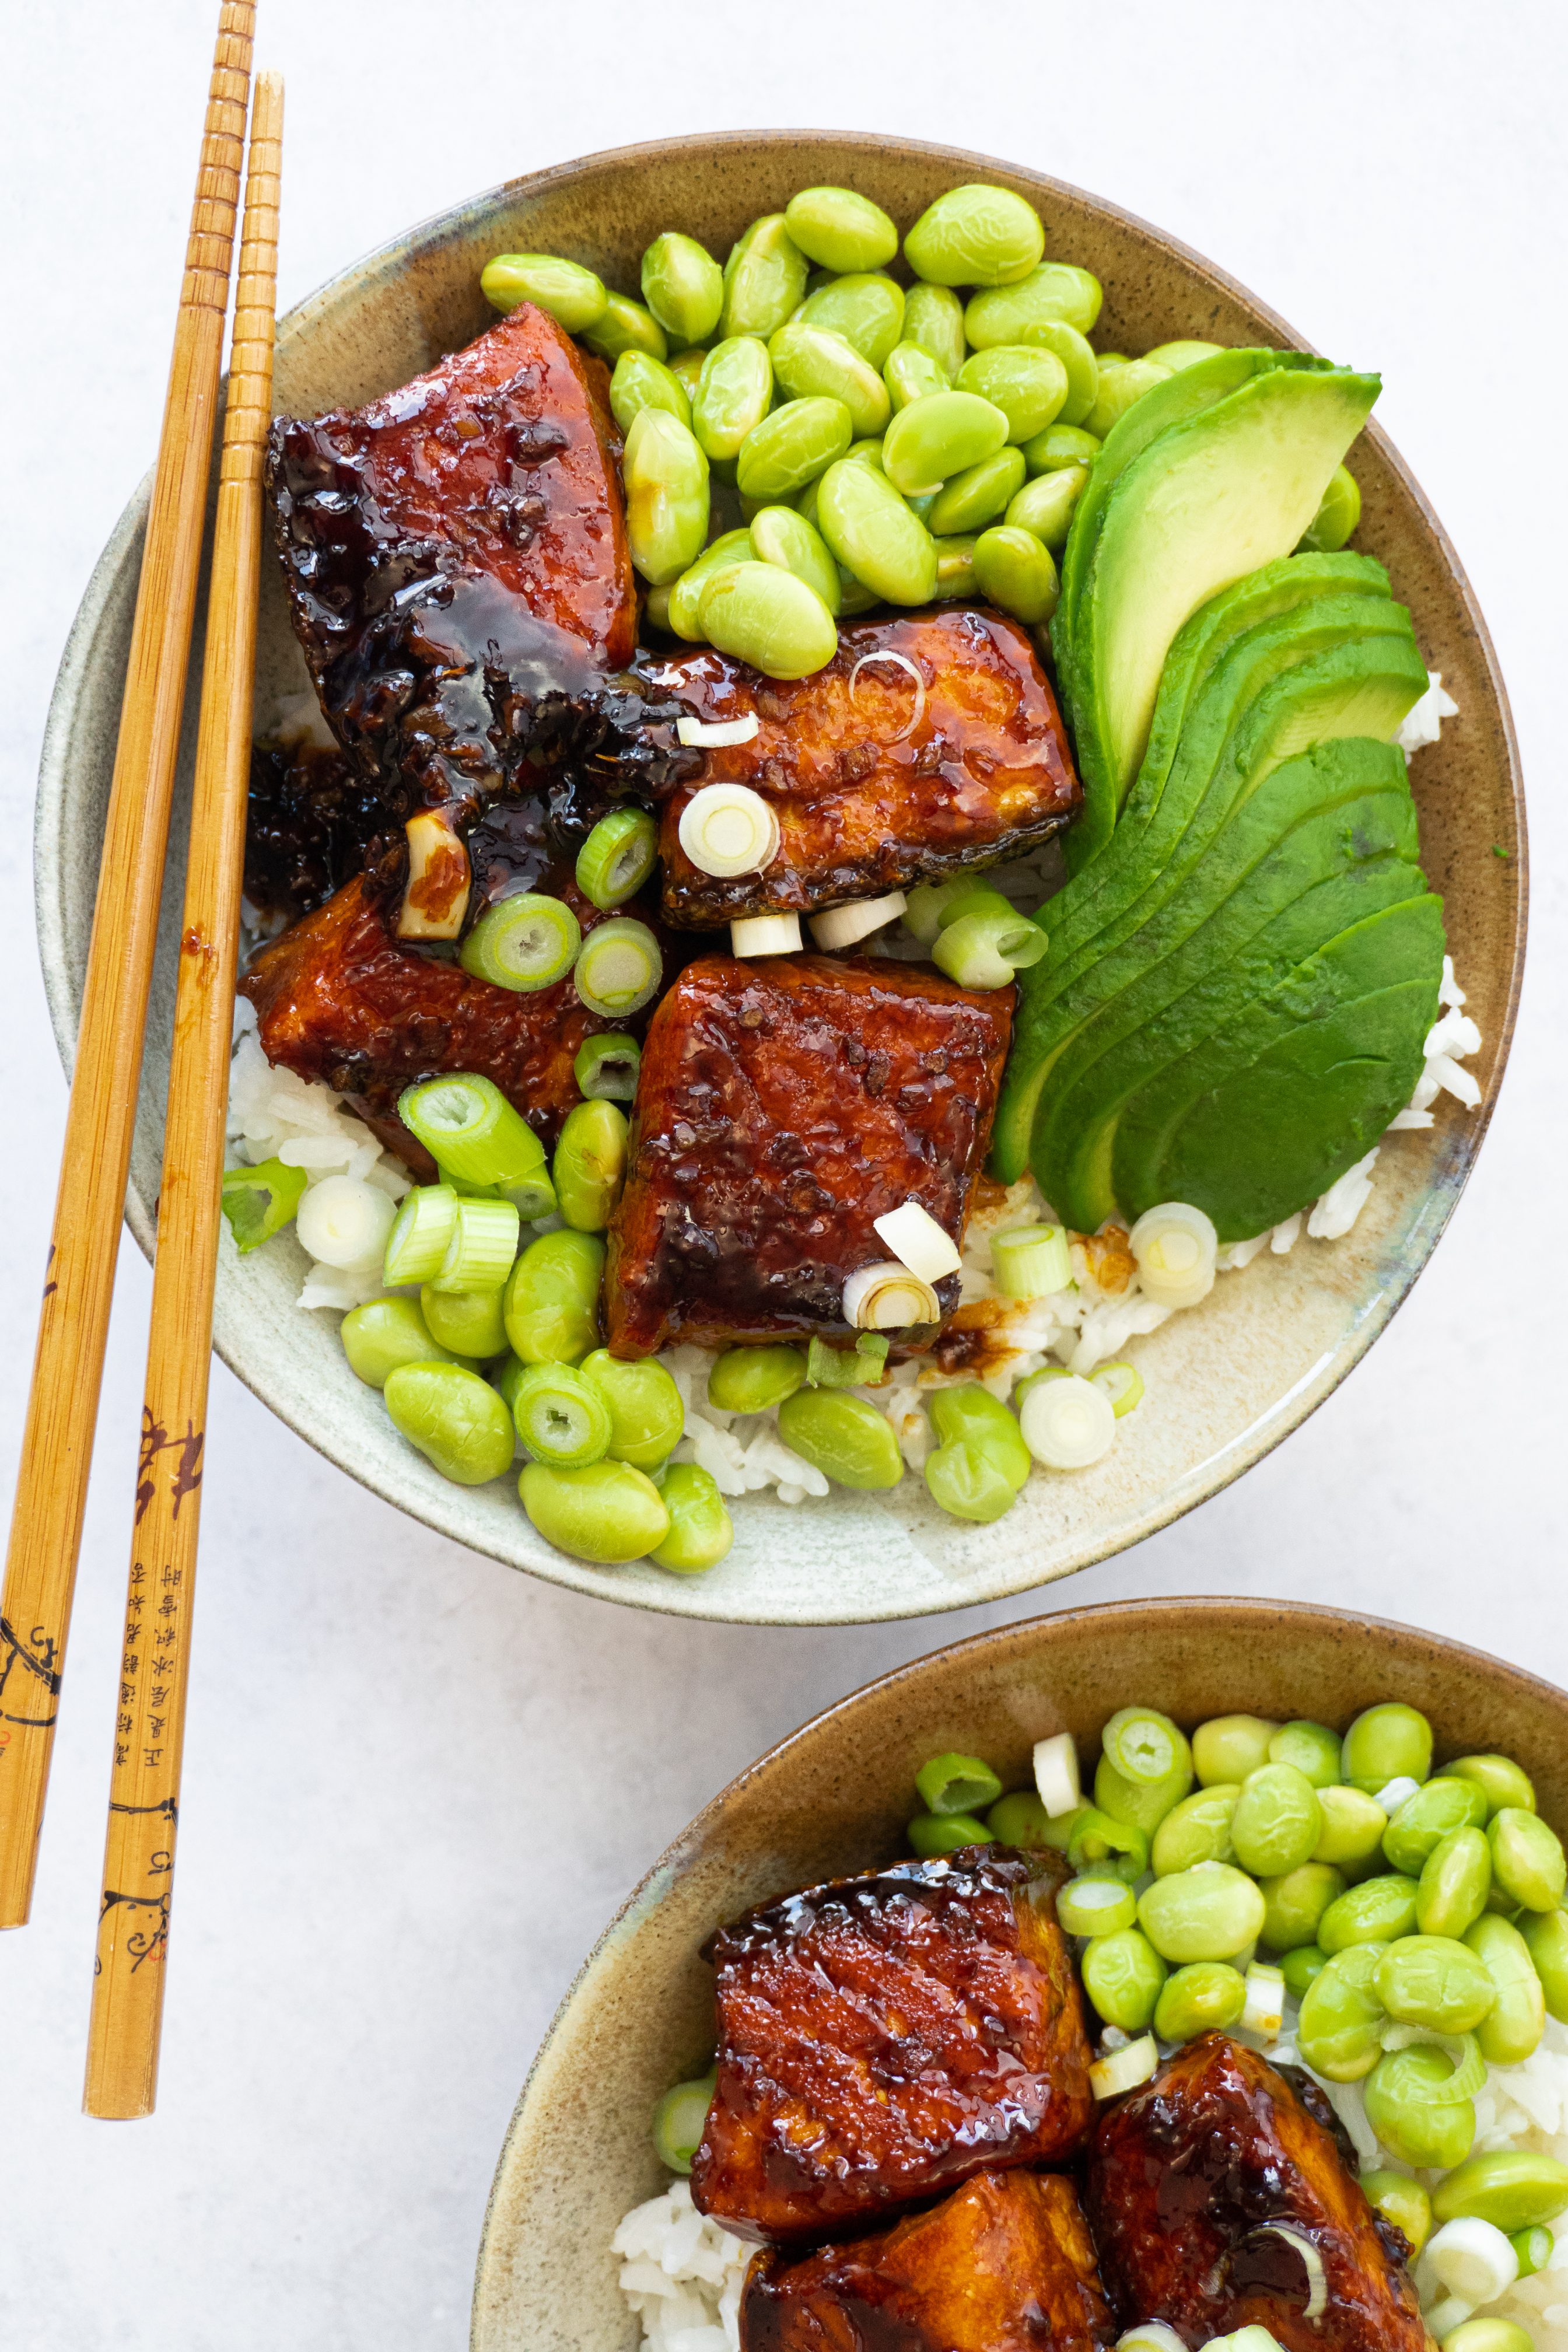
(1443, 1189)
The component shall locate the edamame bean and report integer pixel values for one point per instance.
(1434, 1981)
(766, 616)
(764, 278)
(955, 567)
(1119, 388)
(1312, 1747)
(1143, 1804)
(816, 362)
(1545, 1937)
(1489, 2333)
(1340, 2031)
(1183, 354)
(1123, 1975)
(467, 1323)
(1020, 1819)
(734, 392)
(1375, 1912)
(968, 1411)
(1228, 1747)
(590, 1164)
(665, 477)
(686, 367)
(1196, 1829)
(933, 317)
(1513, 2188)
(964, 1480)
(975, 236)
(909, 374)
(781, 536)
(1209, 1913)
(1054, 292)
(1295, 1902)
(686, 593)
(1302, 1968)
(1413, 2113)
(751, 1380)
(381, 1335)
(1096, 1906)
(974, 497)
(1207, 1996)
(1337, 515)
(1060, 446)
(701, 1529)
(574, 297)
(866, 307)
(791, 447)
(647, 1416)
(550, 1304)
(1015, 570)
(642, 382)
(1401, 2201)
(854, 596)
(1046, 506)
(1390, 1742)
(1455, 1879)
(843, 1436)
(624, 326)
(1513, 2026)
(607, 1512)
(679, 2121)
(1499, 1779)
(1527, 1857)
(840, 230)
(456, 1419)
(1351, 1837)
(1029, 386)
(942, 434)
(1055, 339)
(683, 286)
(1098, 1841)
(1425, 1820)
(872, 532)
(1278, 1821)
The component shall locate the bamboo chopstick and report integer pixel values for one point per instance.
(73, 1324)
(144, 1795)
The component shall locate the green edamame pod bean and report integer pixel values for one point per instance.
(734, 392)
(683, 286)
(572, 296)
(873, 534)
(1184, 353)
(1278, 1821)
(1527, 1857)
(701, 1529)
(686, 367)
(854, 596)
(866, 308)
(1375, 1912)
(1513, 2026)
(686, 593)
(1337, 516)
(1029, 386)
(840, 230)
(665, 477)
(1054, 337)
(765, 615)
(1312, 1747)
(792, 446)
(1390, 1742)
(1401, 2201)
(647, 1416)
(1210, 1913)
(909, 374)
(1019, 1819)
(1295, 1902)
(955, 567)
(1015, 571)
(624, 326)
(970, 1412)
(1119, 388)
(751, 1380)
(1434, 1981)
(1141, 1804)
(467, 1323)
(1196, 1829)
(976, 497)
(1207, 1996)
(1489, 2333)
(1410, 2109)
(942, 434)
(1123, 1974)
(1340, 2031)
(679, 2120)
(1513, 2188)
(1096, 1906)
(1054, 292)
(1499, 1779)
(1545, 1937)
(975, 236)
(386, 1333)
(764, 278)
(590, 1164)
(1425, 1820)
(642, 382)
(1046, 506)
(964, 1480)
(1228, 1747)
(843, 1436)
(1302, 1968)
(933, 317)
(607, 1512)
(1068, 445)
(933, 1833)
(1455, 1879)
(456, 1419)
(1351, 1836)
(781, 536)
(550, 1304)
(1098, 1842)
(816, 362)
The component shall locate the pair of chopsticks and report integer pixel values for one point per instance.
(46, 1530)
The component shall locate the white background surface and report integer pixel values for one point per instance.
(416, 1784)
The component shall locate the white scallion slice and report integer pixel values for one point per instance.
(417, 1244)
(1151, 2336)
(1462, 2051)
(1057, 1776)
(898, 661)
(1068, 1424)
(1124, 2069)
(712, 734)
(917, 1242)
(1265, 2010)
(1445, 2316)
(1031, 1261)
(482, 1249)
(889, 1298)
(342, 1221)
(436, 896)
(1317, 2276)
(1393, 1793)
(765, 935)
(1176, 1246)
(1122, 1383)
(728, 829)
(1473, 2260)
(840, 927)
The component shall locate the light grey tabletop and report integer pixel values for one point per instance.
(416, 1784)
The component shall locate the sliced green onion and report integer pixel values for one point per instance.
(917, 1241)
(932, 1833)
(728, 829)
(1122, 1383)
(1098, 1842)
(933, 905)
(957, 1784)
(483, 1247)
(421, 1235)
(1057, 1774)
(844, 1367)
(532, 1192)
(607, 1067)
(1067, 1423)
(1031, 1261)
(1144, 1747)
(522, 943)
(1265, 2010)
(841, 927)
(1174, 1244)
(1534, 2248)
(561, 1417)
(763, 935)
(1096, 1904)
(889, 1298)
(470, 1130)
(985, 949)
(259, 1202)
(618, 856)
(679, 2121)
(619, 969)
(1122, 2070)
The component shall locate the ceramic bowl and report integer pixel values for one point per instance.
(833, 1799)
(1225, 1384)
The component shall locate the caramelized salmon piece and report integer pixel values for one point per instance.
(783, 1106)
(930, 742)
(1191, 2179)
(1004, 2264)
(885, 2037)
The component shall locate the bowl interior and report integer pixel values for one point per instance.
(833, 1799)
(1223, 1385)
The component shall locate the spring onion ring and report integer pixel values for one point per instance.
(523, 942)
(900, 661)
(728, 829)
(619, 969)
(889, 1298)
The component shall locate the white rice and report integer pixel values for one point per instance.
(682, 2273)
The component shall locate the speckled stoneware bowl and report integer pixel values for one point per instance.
(1224, 1384)
(832, 1799)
